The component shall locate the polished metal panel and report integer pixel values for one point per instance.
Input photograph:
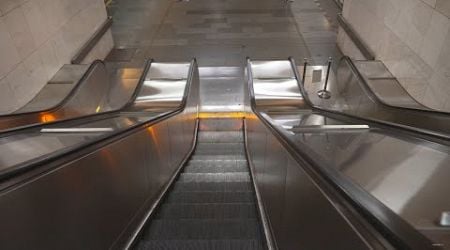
(277, 92)
(274, 85)
(168, 71)
(326, 128)
(221, 89)
(385, 86)
(76, 130)
(88, 202)
(300, 213)
(389, 187)
(398, 179)
(160, 93)
(163, 87)
(350, 94)
(274, 69)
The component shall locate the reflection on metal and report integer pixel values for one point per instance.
(324, 93)
(274, 85)
(132, 167)
(274, 69)
(393, 190)
(326, 128)
(163, 87)
(47, 118)
(352, 96)
(206, 115)
(445, 219)
(76, 130)
(168, 71)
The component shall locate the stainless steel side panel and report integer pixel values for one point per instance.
(300, 214)
(89, 202)
(350, 95)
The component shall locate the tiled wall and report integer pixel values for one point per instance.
(37, 37)
(412, 37)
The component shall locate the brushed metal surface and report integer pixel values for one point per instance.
(382, 171)
(352, 95)
(88, 202)
(273, 69)
(300, 214)
(274, 85)
(408, 176)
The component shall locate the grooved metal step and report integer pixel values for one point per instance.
(220, 136)
(200, 245)
(210, 197)
(231, 146)
(200, 157)
(212, 186)
(214, 177)
(208, 211)
(230, 168)
(212, 203)
(203, 229)
(216, 162)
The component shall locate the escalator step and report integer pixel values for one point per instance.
(220, 125)
(219, 136)
(212, 186)
(203, 229)
(210, 197)
(200, 245)
(220, 146)
(208, 211)
(214, 177)
(231, 168)
(217, 162)
(218, 157)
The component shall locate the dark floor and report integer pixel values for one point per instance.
(223, 32)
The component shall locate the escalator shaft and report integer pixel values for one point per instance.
(212, 204)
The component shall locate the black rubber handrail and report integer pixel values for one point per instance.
(99, 142)
(395, 229)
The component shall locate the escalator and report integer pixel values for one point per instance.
(63, 99)
(368, 91)
(212, 204)
(163, 174)
(394, 176)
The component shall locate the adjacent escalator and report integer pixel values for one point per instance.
(212, 203)
(92, 94)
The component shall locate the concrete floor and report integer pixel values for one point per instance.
(222, 32)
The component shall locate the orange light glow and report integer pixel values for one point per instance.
(47, 118)
(206, 115)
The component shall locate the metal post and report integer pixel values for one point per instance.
(324, 93)
(305, 64)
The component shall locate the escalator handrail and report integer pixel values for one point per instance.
(399, 231)
(429, 135)
(366, 87)
(128, 104)
(96, 143)
(67, 98)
